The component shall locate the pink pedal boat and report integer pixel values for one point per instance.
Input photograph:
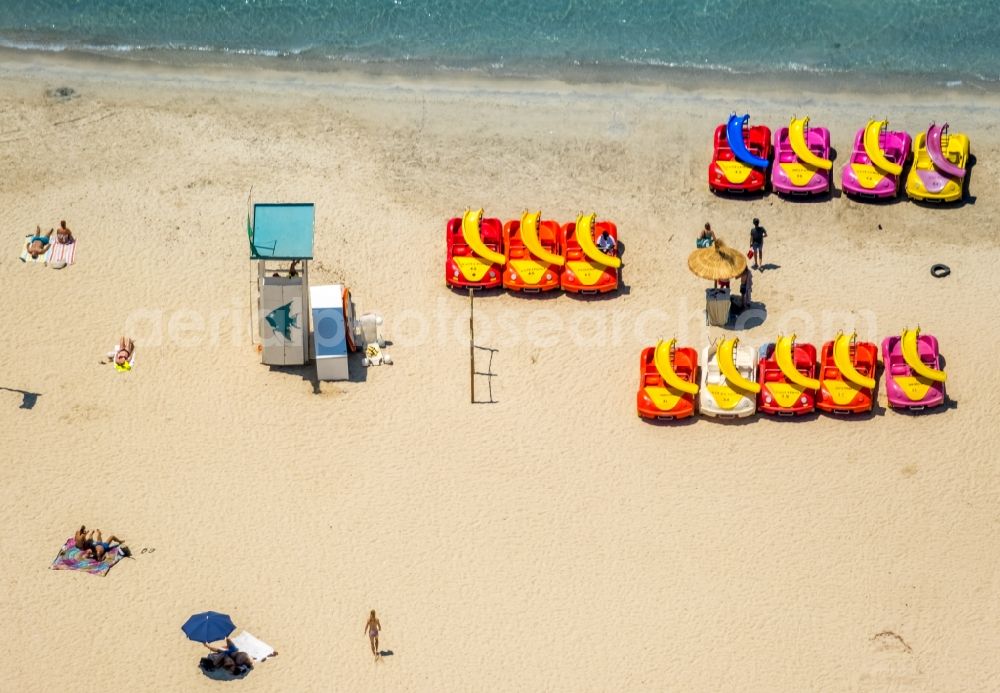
(877, 161)
(913, 376)
(802, 164)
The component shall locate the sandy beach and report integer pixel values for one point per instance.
(550, 541)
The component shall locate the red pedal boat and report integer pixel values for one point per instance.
(787, 377)
(588, 270)
(534, 263)
(847, 375)
(475, 251)
(740, 156)
(668, 381)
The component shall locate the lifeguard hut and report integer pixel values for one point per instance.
(281, 235)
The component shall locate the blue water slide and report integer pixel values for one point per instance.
(734, 135)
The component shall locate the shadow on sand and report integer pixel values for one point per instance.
(28, 399)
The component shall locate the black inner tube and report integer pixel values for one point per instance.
(940, 271)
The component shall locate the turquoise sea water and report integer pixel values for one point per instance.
(937, 41)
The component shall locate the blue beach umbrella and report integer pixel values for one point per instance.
(208, 626)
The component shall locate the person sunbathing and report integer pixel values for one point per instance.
(122, 354)
(232, 659)
(80, 539)
(38, 243)
(97, 548)
(63, 234)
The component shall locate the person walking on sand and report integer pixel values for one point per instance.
(372, 627)
(757, 235)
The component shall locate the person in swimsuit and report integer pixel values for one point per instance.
(80, 539)
(706, 238)
(38, 243)
(98, 547)
(63, 234)
(373, 627)
(232, 659)
(122, 354)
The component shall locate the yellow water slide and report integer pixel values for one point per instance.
(911, 354)
(797, 137)
(529, 234)
(727, 364)
(471, 222)
(665, 367)
(585, 237)
(783, 353)
(874, 151)
(842, 357)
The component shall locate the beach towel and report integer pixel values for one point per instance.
(257, 649)
(71, 558)
(26, 257)
(62, 252)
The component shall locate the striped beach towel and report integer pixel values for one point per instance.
(26, 257)
(70, 558)
(62, 252)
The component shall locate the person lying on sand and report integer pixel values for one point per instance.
(97, 547)
(63, 234)
(232, 659)
(121, 356)
(38, 243)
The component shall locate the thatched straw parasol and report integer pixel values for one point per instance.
(718, 261)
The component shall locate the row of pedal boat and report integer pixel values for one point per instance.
(799, 160)
(784, 378)
(530, 254)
